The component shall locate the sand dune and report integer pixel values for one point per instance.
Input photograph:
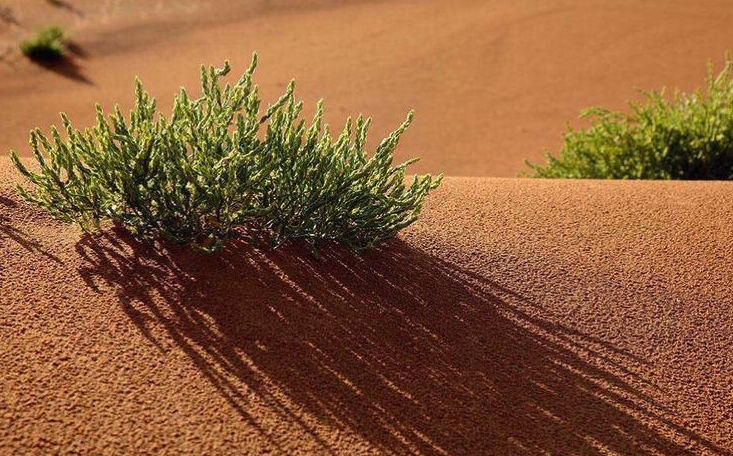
(553, 317)
(516, 317)
(493, 81)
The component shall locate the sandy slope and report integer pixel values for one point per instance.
(517, 317)
(493, 81)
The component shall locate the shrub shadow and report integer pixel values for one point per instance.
(8, 231)
(76, 49)
(66, 66)
(413, 354)
(8, 16)
(64, 5)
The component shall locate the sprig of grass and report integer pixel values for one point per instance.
(209, 169)
(689, 136)
(47, 44)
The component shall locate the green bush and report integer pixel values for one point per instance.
(689, 136)
(208, 170)
(46, 45)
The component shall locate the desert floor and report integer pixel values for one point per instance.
(553, 317)
(493, 82)
(517, 316)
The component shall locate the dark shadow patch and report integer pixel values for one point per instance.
(14, 234)
(8, 16)
(66, 67)
(6, 202)
(76, 50)
(64, 5)
(412, 353)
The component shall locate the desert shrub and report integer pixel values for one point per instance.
(46, 45)
(209, 169)
(327, 188)
(686, 136)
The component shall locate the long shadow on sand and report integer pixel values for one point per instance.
(61, 4)
(12, 233)
(8, 16)
(67, 68)
(409, 352)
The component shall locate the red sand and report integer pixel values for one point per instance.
(517, 317)
(493, 82)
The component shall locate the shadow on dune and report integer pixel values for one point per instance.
(8, 16)
(64, 5)
(407, 351)
(66, 67)
(76, 49)
(10, 232)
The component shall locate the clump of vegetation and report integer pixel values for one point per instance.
(47, 44)
(689, 136)
(207, 170)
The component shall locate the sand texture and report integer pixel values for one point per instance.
(517, 317)
(493, 82)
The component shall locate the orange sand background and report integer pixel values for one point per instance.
(493, 82)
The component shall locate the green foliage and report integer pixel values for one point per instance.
(209, 169)
(689, 136)
(46, 45)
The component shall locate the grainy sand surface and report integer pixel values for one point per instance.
(493, 82)
(517, 317)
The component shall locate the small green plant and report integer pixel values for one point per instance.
(689, 136)
(47, 44)
(207, 170)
